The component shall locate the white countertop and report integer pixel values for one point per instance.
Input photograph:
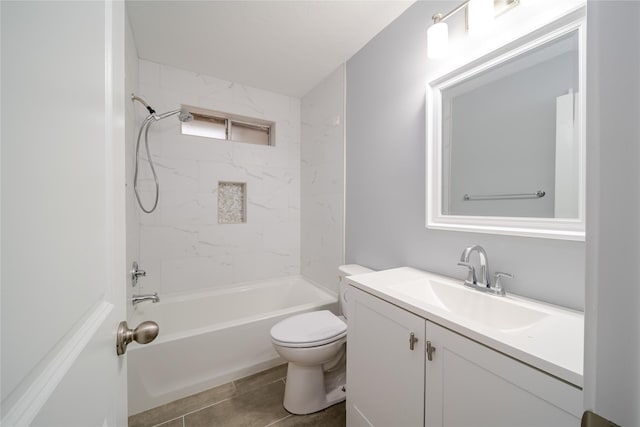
(551, 339)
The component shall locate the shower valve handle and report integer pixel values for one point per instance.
(136, 273)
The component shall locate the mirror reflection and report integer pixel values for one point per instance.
(510, 137)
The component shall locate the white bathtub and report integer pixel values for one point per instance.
(208, 339)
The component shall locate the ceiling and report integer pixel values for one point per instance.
(282, 46)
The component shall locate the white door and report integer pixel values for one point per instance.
(62, 163)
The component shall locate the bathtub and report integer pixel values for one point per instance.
(210, 338)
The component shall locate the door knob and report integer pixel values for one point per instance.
(144, 333)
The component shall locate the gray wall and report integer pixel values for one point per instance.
(385, 178)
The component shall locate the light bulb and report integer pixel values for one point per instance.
(437, 40)
(481, 16)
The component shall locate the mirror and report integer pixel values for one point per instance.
(506, 142)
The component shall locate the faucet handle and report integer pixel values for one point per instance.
(497, 286)
(471, 278)
(136, 273)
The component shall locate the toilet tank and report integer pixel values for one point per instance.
(344, 271)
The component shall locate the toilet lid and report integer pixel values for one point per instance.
(317, 327)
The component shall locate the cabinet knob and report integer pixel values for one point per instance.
(412, 341)
(430, 350)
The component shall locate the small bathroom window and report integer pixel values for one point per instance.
(207, 126)
(218, 125)
(250, 132)
(232, 202)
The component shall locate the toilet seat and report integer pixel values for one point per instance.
(309, 330)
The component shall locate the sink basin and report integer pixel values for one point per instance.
(501, 313)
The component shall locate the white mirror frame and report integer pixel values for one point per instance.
(551, 228)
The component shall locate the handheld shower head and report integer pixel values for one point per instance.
(143, 102)
(185, 116)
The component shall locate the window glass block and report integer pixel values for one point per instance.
(253, 134)
(230, 127)
(202, 125)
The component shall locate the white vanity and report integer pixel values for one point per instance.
(426, 350)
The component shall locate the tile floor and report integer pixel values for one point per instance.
(254, 401)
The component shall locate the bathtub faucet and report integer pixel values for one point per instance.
(136, 299)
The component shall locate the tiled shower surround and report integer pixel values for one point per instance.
(182, 244)
(323, 180)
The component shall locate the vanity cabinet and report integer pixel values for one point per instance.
(469, 384)
(464, 384)
(385, 376)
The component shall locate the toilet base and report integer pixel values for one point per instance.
(306, 392)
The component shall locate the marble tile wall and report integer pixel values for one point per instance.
(182, 245)
(322, 187)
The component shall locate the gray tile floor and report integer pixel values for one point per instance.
(254, 401)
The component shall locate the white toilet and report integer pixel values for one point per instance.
(314, 344)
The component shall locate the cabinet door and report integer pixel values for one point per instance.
(385, 377)
(468, 384)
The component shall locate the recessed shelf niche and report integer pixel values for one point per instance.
(232, 202)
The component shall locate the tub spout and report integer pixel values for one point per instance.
(136, 299)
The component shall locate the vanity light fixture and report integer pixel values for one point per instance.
(437, 39)
(479, 16)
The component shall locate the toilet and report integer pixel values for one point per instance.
(314, 344)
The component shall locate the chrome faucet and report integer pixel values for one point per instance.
(481, 282)
(137, 299)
